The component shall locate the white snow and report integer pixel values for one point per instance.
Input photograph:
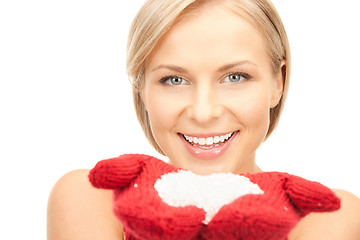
(210, 192)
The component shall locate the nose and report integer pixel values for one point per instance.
(205, 106)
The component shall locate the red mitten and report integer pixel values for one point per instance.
(155, 200)
(137, 204)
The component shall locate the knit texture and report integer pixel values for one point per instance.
(144, 215)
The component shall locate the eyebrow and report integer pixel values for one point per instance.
(220, 69)
(235, 64)
(171, 67)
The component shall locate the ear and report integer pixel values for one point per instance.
(278, 87)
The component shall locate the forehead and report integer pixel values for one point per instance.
(211, 32)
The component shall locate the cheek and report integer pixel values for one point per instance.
(163, 110)
(251, 109)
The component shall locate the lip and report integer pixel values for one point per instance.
(207, 154)
(205, 135)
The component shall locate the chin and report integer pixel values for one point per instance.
(210, 166)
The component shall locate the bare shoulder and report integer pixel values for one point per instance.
(76, 210)
(341, 224)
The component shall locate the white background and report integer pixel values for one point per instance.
(65, 99)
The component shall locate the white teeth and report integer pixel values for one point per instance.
(209, 141)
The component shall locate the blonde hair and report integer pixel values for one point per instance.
(156, 17)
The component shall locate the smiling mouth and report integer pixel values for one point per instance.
(208, 142)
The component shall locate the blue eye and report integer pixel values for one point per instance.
(236, 77)
(173, 80)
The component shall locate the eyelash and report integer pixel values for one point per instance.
(166, 78)
(246, 76)
(241, 74)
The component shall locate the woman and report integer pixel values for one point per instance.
(209, 80)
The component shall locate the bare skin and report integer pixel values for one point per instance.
(78, 211)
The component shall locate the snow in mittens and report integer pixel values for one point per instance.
(210, 192)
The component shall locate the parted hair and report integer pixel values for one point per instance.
(156, 17)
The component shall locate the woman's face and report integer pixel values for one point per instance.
(208, 90)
